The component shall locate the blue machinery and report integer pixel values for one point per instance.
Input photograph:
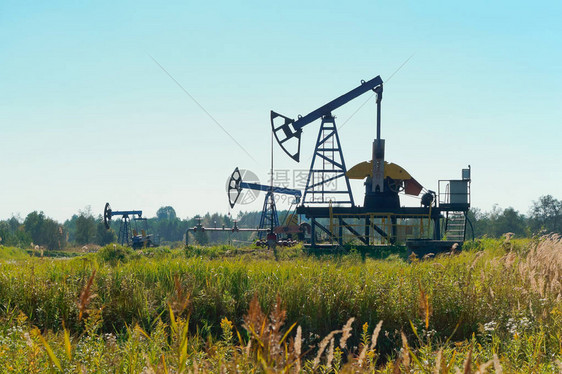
(381, 219)
(269, 218)
(124, 237)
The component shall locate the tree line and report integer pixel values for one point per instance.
(545, 216)
(84, 228)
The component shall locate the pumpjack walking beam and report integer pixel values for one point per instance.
(328, 164)
(291, 129)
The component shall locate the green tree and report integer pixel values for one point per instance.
(34, 225)
(12, 233)
(480, 222)
(103, 235)
(201, 238)
(510, 220)
(167, 225)
(44, 231)
(70, 228)
(546, 214)
(86, 229)
(166, 212)
(498, 222)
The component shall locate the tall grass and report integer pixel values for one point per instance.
(498, 297)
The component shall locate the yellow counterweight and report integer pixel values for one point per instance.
(391, 170)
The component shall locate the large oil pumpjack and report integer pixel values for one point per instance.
(381, 219)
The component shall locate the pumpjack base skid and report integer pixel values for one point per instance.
(357, 211)
(435, 214)
(406, 212)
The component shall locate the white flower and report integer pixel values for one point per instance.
(490, 326)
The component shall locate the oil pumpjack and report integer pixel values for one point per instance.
(269, 218)
(136, 240)
(381, 219)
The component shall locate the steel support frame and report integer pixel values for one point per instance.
(341, 213)
(124, 230)
(269, 218)
(329, 157)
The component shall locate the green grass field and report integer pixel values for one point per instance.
(494, 307)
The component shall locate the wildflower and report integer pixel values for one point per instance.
(490, 326)
(226, 327)
(28, 340)
(110, 339)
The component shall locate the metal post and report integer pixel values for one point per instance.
(340, 232)
(394, 229)
(367, 230)
(313, 233)
(436, 229)
(378, 91)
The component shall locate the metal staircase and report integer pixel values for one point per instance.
(455, 226)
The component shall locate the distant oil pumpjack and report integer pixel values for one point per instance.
(125, 236)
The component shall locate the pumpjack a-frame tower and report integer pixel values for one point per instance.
(381, 220)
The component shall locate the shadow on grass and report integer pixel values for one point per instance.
(383, 252)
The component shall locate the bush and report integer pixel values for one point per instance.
(12, 253)
(156, 251)
(114, 254)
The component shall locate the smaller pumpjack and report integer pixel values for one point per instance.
(136, 241)
(269, 218)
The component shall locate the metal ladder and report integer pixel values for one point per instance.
(455, 226)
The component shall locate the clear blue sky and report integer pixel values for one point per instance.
(86, 116)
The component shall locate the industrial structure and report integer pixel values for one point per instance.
(128, 235)
(439, 221)
(269, 218)
(199, 228)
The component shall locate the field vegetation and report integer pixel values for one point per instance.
(494, 307)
